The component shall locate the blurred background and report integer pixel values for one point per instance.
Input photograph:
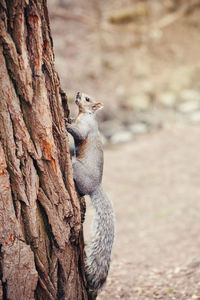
(141, 59)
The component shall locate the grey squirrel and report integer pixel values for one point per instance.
(88, 170)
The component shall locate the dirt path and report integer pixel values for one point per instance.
(154, 183)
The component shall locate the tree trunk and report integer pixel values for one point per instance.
(41, 245)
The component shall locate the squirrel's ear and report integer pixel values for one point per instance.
(97, 106)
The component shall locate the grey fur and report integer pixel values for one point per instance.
(99, 250)
(88, 170)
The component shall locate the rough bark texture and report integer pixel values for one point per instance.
(40, 219)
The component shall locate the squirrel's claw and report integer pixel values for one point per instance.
(67, 121)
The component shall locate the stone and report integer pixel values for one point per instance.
(190, 95)
(139, 101)
(194, 117)
(109, 128)
(168, 99)
(103, 140)
(138, 128)
(181, 79)
(121, 137)
(188, 106)
(194, 263)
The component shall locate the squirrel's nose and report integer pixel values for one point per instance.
(78, 95)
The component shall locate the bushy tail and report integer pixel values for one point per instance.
(98, 251)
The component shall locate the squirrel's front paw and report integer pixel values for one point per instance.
(67, 122)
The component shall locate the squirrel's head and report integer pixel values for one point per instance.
(87, 104)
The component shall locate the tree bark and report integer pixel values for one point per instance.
(41, 244)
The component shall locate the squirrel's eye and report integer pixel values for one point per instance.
(87, 99)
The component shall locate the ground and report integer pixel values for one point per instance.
(154, 180)
(154, 185)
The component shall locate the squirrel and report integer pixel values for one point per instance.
(88, 170)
